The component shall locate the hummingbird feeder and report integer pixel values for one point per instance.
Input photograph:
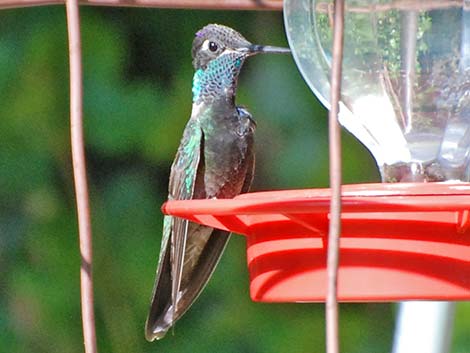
(406, 97)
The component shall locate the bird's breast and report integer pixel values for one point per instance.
(228, 149)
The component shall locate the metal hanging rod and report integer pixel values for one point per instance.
(176, 4)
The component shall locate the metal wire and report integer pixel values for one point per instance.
(79, 173)
(332, 326)
(187, 4)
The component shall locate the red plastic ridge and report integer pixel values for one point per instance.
(399, 241)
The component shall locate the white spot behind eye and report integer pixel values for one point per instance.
(205, 45)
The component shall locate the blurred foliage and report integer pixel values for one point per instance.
(137, 99)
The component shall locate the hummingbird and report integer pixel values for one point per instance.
(215, 159)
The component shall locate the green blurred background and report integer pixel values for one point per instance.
(137, 75)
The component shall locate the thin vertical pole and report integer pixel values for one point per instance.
(408, 38)
(332, 327)
(424, 327)
(79, 172)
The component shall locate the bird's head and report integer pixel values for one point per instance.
(218, 55)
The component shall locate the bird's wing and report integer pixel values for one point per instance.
(182, 182)
(170, 264)
(214, 242)
(251, 160)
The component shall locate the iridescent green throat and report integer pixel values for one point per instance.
(218, 80)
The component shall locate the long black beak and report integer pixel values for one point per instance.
(261, 49)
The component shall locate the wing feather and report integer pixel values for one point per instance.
(170, 265)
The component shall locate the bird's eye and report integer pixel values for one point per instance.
(213, 46)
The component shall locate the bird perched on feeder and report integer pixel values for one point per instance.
(214, 160)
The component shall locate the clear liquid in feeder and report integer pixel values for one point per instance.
(406, 80)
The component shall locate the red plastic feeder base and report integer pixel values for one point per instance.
(398, 241)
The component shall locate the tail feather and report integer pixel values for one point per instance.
(162, 314)
(160, 318)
